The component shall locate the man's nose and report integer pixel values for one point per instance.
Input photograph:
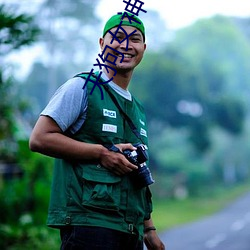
(125, 44)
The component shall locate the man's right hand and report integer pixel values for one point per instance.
(115, 162)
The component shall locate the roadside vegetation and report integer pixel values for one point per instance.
(171, 213)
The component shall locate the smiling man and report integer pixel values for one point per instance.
(95, 198)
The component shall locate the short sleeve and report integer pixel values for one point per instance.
(68, 105)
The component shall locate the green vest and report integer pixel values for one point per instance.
(86, 193)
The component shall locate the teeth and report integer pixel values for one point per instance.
(126, 56)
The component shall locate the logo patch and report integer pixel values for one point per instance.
(109, 113)
(142, 122)
(143, 132)
(109, 128)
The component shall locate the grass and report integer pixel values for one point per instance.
(170, 213)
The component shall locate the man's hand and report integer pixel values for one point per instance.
(152, 241)
(116, 162)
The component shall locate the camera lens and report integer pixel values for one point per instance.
(144, 176)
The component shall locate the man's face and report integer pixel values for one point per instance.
(134, 53)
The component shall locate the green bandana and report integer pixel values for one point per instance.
(116, 19)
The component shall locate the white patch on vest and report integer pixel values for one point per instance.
(143, 132)
(109, 128)
(142, 122)
(109, 113)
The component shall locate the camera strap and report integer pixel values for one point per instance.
(125, 116)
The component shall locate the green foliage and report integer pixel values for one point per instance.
(65, 43)
(163, 79)
(36, 81)
(230, 114)
(195, 82)
(24, 235)
(29, 193)
(67, 47)
(199, 179)
(78, 9)
(243, 24)
(8, 105)
(199, 135)
(220, 51)
(24, 203)
(15, 30)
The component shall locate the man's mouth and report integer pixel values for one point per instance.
(126, 55)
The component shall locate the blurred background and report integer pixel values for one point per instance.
(194, 82)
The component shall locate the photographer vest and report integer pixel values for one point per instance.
(86, 193)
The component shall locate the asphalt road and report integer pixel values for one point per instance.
(227, 230)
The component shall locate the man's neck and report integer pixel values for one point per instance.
(121, 79)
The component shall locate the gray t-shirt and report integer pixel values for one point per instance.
(68, 106)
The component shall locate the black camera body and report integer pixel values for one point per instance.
(142, 177)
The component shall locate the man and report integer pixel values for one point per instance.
(95, 202)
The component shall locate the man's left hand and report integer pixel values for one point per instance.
(152, 241)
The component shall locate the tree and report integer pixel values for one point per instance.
(196, 94)
(16, 31)
(68, 31)
(186, 83)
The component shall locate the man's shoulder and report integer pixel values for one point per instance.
(137, 101)
(83, 74)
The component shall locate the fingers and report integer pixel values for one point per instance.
(117, 163)
(120, 170)
(124, 146)
(121, 165)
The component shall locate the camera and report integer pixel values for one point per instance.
(142, 176)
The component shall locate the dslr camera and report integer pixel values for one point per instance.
(142, 176)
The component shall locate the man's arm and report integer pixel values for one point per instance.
(151, 239)
(47, 138)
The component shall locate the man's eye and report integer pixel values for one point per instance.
(136, 39)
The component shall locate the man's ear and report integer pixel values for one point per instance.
(101, 42)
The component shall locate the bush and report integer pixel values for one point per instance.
(24, 204)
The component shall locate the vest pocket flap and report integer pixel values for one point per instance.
(101, 189)
(97, 173)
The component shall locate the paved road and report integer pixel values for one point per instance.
(226, 230)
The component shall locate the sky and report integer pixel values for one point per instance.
(176, 14)
(180, 13)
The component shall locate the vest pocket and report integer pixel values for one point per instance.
(101, 188)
